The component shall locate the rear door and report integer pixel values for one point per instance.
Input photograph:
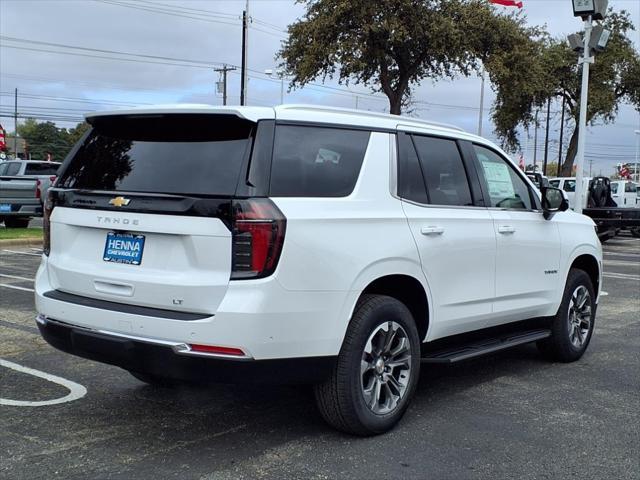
(452, 230)
(142, 210)
(528, 246)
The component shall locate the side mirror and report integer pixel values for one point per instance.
(553, 201)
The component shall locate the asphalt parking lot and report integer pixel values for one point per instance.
(511, 415)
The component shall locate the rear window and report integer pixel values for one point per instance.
(316, 161)
(175, 154)
(41, 168)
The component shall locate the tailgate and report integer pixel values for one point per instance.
(17, 188)
(185, 261)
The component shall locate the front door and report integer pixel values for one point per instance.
(528, 246)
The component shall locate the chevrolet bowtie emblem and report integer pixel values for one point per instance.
(119, 201)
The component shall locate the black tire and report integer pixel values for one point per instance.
(635, 232)
(341, 398)
(155, 380)
(563, 345)
(11, 222)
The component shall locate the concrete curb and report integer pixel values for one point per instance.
(22, 242)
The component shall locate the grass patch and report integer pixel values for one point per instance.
(16, 233)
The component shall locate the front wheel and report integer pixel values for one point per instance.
(572, 327)
(377, 369)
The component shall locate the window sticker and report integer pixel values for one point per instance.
(327, 156)
(498, 179)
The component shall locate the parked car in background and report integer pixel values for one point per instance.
(624, 193)
(23, 186)
(568, 186)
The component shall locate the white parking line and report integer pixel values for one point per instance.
(621, 276)
(14, 287)
(22, 253)
(76, 390)
(17, 277)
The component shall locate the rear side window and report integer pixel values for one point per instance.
(554, 183)
(180, 154)
(41, 168)
(316, 161)
(10, 169)
(443, 170)
(630, 187)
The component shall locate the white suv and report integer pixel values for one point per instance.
(306, 244)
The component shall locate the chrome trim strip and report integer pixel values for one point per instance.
(179, 348)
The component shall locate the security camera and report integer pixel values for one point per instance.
(576, 42)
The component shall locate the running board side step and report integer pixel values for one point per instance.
(484, 347)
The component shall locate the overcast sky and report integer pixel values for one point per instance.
(193, 37)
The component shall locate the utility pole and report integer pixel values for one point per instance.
(561, 132)
(244, 82)
(15, 124)
(546, 138)
(481, 103)
(535, 144)
(243, 65)
(224, 71)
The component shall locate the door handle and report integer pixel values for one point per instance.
(506, 229)
(432, 230)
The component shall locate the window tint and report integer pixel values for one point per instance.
(569, 186)
(443, 170)
(554, 183)
(48, 168)
(506, 188)
(174, 153)
(12, 168)
(630, 187)
(316, 161)
(410, 179)
(614, 188)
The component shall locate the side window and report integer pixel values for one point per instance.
(554, 183)
(443, 170)
(13, 168)
(410, 179)
(630, 187)
(316, 161)
(506, 188)
(569, 186)
(3, 168)
(614, 188)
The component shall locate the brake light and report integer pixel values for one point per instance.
(38, 184)
(258, 229)
(46, 223)
(52, 179)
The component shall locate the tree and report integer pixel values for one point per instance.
(75, 134)
(44, 138)
(614, 78)
(391, 45)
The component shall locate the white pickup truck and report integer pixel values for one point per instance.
(23, 185)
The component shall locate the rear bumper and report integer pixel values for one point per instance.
(166, 359)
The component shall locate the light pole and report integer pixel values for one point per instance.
(280, 74)
(595, 39)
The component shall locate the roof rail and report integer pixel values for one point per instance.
(366, 113)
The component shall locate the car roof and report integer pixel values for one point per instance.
(292, 112)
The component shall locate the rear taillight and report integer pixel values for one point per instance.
(52, 179)
(258, 229)
(46, 223)
(38, 185)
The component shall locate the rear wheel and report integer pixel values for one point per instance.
(572, 327)
(11, 222)
(635, 232)
(377, 369)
